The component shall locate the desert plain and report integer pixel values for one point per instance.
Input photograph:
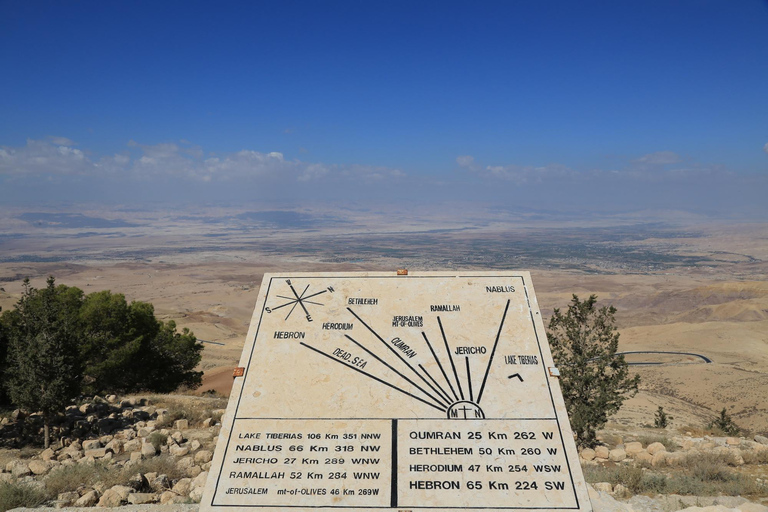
(680, 282)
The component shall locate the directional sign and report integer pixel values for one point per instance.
(370, 391)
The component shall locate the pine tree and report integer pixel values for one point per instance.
(43, 373)
(594, 380)
(661, 419)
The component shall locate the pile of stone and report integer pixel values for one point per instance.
(656, 454)
(148, 434)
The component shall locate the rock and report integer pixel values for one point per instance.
(752, 507)
(659, 459)
(603, 487)
(112, 399)
(183, 487)
(203, 456)
(148, 450)
(48, 454)
(185, 463)
(145, 431)
(644, 456)
(86, 408)
(18, 468)
(67, 499)
(110, 498)
(138, 482)
(116, 446)
(194, 471)
(732, 441)
(200, 480)
(655, 448)
(178, 451)
(194, 445)
(602, 452)
(761, 439)
(86, 460)
(208, 422)
(633, 448)
(168, 497)
(141, 498)
(6, 478)
(617, 455)
(96, 453)
(135, 456)
(91, 444)
(39, 467)
(88, 499)
(177, 437)
(181, 424)
(603, 502)
(196, 495)
(588, 454)
(620, 491)
(133, 445)
(160, 483)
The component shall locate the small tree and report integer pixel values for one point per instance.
(661, 419)
(594, 380)
(725, 423)
(43, 371)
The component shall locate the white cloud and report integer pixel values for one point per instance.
(47, 158)
(765, 148)
(659, 158)
(465, 160)
(62, 141)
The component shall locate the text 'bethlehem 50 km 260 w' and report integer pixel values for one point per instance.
(381, 391)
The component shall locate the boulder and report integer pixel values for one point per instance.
(659, 459)
(203, 456)
(200, 480)
(91, 444)
(148, 450)
(169, 497)
(761, 439)
(183, 487)
(160, 483)
(88, 499)
(111, 498)
(655, 448)
(602, 452)
(48, 454)
(178, 451)
(18, 468)
(194, 445)
(96, 453)
(116, 446)
(620, 491)
(181, 424)
(138, 482)
(194, 471)
(178, 437)
(588, 454)
(208, 422)
(732, 441)
(39, 467)
(603, 487)
(133, 445)
(67, 499)
(185, 463)
(617, 455)
(633, 448)
(141, 498)
(644, 456)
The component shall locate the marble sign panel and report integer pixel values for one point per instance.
(370, 391)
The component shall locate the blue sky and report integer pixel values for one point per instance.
(578, 105)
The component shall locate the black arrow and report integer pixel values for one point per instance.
(516, 375)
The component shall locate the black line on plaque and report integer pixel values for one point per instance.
(442, 409)
(490, 359)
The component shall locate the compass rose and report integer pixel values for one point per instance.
(299, 300)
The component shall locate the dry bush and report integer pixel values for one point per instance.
(14, 495)
(755, 457)
(70, 478)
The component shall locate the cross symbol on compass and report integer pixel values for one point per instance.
(299, 300)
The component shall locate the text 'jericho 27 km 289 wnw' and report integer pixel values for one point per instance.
(370, 391)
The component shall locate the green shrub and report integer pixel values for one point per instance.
(725, 424)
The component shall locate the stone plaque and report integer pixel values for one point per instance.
(365, 391)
